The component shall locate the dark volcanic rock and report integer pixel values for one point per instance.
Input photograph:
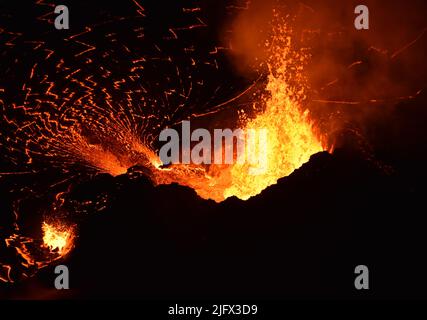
(302, 237)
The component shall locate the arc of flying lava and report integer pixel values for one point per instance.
(121, 138)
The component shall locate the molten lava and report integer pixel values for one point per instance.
(291, 137)
(58, 238)
(100, 110)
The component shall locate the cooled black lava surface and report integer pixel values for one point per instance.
(300, 238)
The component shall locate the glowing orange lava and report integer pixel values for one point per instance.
(104, 122)
(291, 137)
(58, 237)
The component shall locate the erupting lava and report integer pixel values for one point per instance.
(86, 109)
(291, 138)
(58, 238)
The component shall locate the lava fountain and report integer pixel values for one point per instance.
(291, 135)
